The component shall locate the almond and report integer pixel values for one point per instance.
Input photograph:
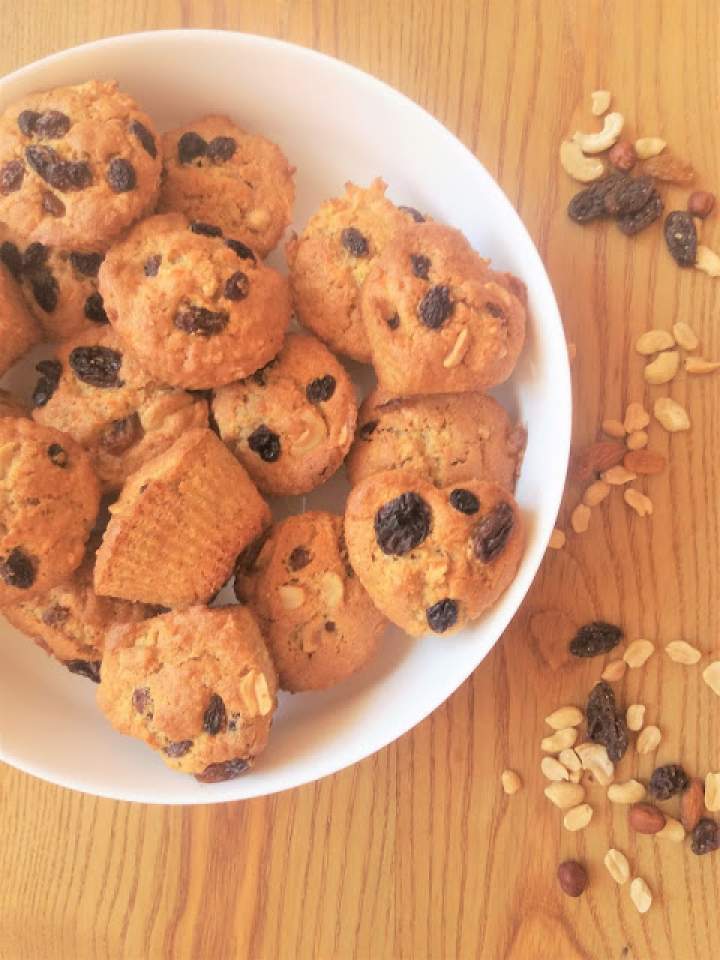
(596, 458)
(692, 804)
(645, 818)
(644, 462)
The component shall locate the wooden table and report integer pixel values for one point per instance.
(416, 852)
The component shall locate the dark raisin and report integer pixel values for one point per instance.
(35, 256)
(595, 638)
(354, 242)
(17, 569)
(494, 310)
(74, 175)
(146, 139)
(368, 429)
(330, 626)
(237, 286)
(245, 563)
(178, 748)
(86, 264)
(42, 160)
(589, 203)
(320, 389)
(152, 265)
(12, 175)
(200, 320)
(120, 435)
(205, 229)
(629, 195)
(57, 455)
(44, 289)
(190, 146)
(632, 223)
(215, 716)
(226, 770)
(299, 558)
(55, 615)
(94, 309)
(52, 124)
(50, 372)
(241, 249)
(12, 258)
(265, 444)
(705, 837)
(667, 781)
(27, 120)
(141, 699)
(420, 265)
(442, 615)
(90, 669)
(393, 322)
(260, 376)
(402, 524)
(681, 237)
(464, 501)
(435, 307)
(491, 534)
(52, 204)
(155, 610)
(120, 175)
(412, 212)
(97, 366)
(59, 173)
(221, 149)
(605, 723)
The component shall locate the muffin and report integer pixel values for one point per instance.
(19, 330)
(217, 173)
(198, 686)
(446, 438)
(432, 559)
(318, 621)
(331, 258)
(431, 298)
(49, 497)
(77, 166)
(10, 406)
(291, 423)
(197, 310)
(179, 524)
(113, 408)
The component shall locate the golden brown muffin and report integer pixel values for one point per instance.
(49, 497)
(113, 408)
(19, 330)
(198, 686)
(179, 524)
(446, 438)
(217, 173)
(432, 559)
(77, 166)
(438, 319)
(291, 423)
(331, 258)
(10, 406)
(318, 621)
(198, 311)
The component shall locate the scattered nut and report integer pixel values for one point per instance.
(617, 866)
(685, 336)
(647, 147)
(510, 781)
(681, 652)
(565, 795)
(291, 597)
(595, 493)
(671, 415)
(578, 817)
(580, 518)
(700, 203)
(613, 428)
(617, 476)
(635, 716)
(559, 740)
(707, 261)
(594, 758)
(629, 792)
(459, 349)
(653, 341)
(603, 139)
(622, 156)
(649, 740)
(711, 676)
(669, 168)
(644, 462)
(614, 671)
(673, 830)
(570, 760)
(636, 417)
(637, 440)
(572, 878)
(553, 769)
(663, 368)
(640, 503)
(595, 458)
(701, 365)
(692, 804)
(640, 895)
(600, 102)
(712, 792)
(577, 165)
(565, 717)
(645, 818)
(557, 539)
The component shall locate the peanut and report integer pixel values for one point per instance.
(673, 830)
(636, 417)
(614, 671)
(564, 717)
(707, 261)
(671, 415)
(559, 740)
(637, 440)
(712, 792)
(629, 792)
(565, 795)
(613, 428)
(580, 518)
(685, 336)
(557, 539)
(578, 817)
(646, 147)
(681, 652)
(595, 493)
(619, 475)
(645, 818)
(600, 100)
(640, 895)
(649, 740)
(553, 769)
(510, 781)
(641, 504)
(635, 716)
(617, 866)
(711, 676)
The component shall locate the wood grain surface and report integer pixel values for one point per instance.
(416, 852)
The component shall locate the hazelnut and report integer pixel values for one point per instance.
(622, 156)
(700, 203)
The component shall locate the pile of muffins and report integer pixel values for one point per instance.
(176, 399)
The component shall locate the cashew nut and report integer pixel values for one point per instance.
(582, 168)
(600, 102)
(597, 142)
(647, 147)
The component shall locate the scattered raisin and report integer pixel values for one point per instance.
(57, 455)
(86, 264)
(368, 429)
(146, 139)
(12, 258)
(589, 203)
(50, 372)
(152, 265)
(330, 626)
(52, 124)
(595, 638)
(120, 175)
(141, 699)
(629, 195)
(94, 309)
(237, 287)
(178, 748)
(632, 223)
(226, 770)
(667, 781)
(12, 175)
(27, 120)
(44, 289)
(200, 320)
(299, 558)
(495, 310)
(205, 229)
(55, 615)
(241, 249)
(97, 366)
(59, 173)
(491, 534)
(265, 444)
(35, 256)
(681, 237)
(74, 175)
(442, 615)
(354, 242)
(320, 389)
(435, 307)
(190, 146)
(120, 435)
(705, 837)
(90, 669)
(402, 524)
(420, 265)
(215, 716)
(412, 212)
(464, 501)
(393, 322)
(221, 149)
(17, 569)
(52, 204)
(605, 723)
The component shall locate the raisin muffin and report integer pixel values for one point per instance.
(431, 297)
(432, 559)
(10, 406)
(19, 330)
(291, 423)
(113, 408)
(70, 621)
(49, 497)
(77, 166)
(446, 438)
(331, 258)
(179, 524)
(217, 173)
(318, 621)
(199, 311)
(198, 686)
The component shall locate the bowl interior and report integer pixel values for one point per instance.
(336, 124)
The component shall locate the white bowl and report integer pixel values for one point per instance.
(336, 124)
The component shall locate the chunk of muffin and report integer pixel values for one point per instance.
(19, 331)
(11, 406)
